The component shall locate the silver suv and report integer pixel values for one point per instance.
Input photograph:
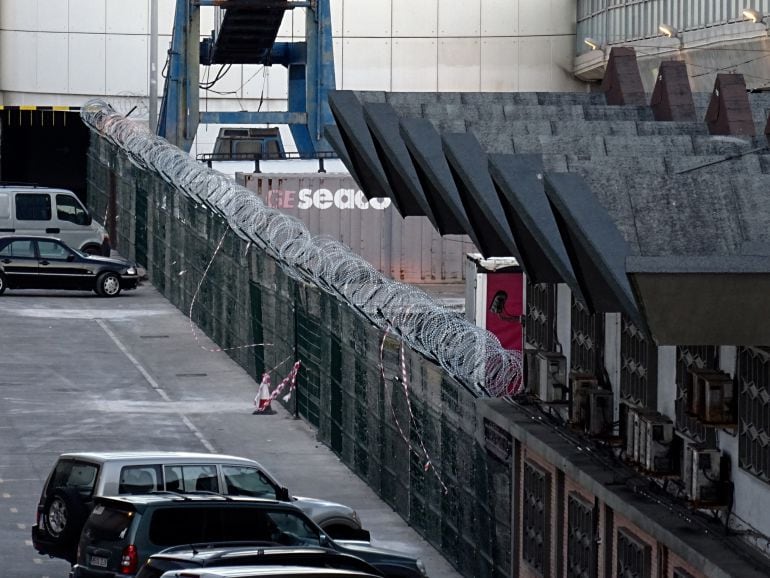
(78, 478)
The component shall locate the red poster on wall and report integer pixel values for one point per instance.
(505, 312)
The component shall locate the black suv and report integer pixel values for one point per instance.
(123, 532)
(255, 554)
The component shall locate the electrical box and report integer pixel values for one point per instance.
(580, 385)
(547, 375)
(694, 388)
(717, 405)
(600, 412)
(657, 433)
(702, 474)
(638, 442)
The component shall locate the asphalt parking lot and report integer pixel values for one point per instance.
(78, 372)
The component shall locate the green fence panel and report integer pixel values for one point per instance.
(415, 445)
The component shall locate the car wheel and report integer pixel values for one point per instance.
(3, 283)
(108, 285)
(64, 515)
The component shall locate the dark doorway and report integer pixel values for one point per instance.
(44, 147)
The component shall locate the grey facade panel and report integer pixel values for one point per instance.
(334, 138)
(424, 146)
(349, 115)
(596, 247)
(701, 308)
(470, 167)
(519, 179)
(405, 184)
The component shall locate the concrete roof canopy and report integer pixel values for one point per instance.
(660, 202)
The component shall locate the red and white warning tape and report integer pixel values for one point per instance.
(265, 397)
(195, 297)
(428, 465)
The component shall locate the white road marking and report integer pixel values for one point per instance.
(154, 384)
(6, 495)
(14, 510)
(21, 526)
(37, 560)
(19, 480)
(83, 313)
(27, 542)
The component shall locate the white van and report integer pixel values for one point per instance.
(29, 210)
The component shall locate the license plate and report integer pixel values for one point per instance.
(99, 561)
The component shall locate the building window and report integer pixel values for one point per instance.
(701, 357)
(753, 378)
(536, 518)
(587, 345)
(580, 538)
(639, 366)
(634, 556)
(541, 315)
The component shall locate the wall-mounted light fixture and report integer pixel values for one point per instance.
(668, 30)
(751, 14)
(594, 44)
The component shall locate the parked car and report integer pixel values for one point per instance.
(28, 262)
(41, 211)
(191, 556)
(268, 572)
(77, 479)
(123, 532)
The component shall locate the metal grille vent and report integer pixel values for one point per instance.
(639, 362)
(587, 339)
(541, 315)
(754, 411)
(537, 498)
(701, 356)
(580, 542)
(634, 556)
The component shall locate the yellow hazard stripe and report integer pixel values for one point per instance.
(57, 108)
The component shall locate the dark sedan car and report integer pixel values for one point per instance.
(47, 263)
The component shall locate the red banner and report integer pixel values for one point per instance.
(505, 311)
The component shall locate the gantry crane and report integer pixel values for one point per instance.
(246, 34)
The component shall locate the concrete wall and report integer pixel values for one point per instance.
(63, 52)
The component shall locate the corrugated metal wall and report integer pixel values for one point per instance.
(618, 21)
(410, 249)
(247, 298)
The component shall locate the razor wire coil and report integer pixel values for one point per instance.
(471, 354)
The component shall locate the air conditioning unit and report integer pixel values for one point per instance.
(627, 431)
(701, 474)
(717, 403)
(547, 375)
(694, 388)
(657, 434)
(580, 385)
(636, 448)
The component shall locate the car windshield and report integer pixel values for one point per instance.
(173, 526)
